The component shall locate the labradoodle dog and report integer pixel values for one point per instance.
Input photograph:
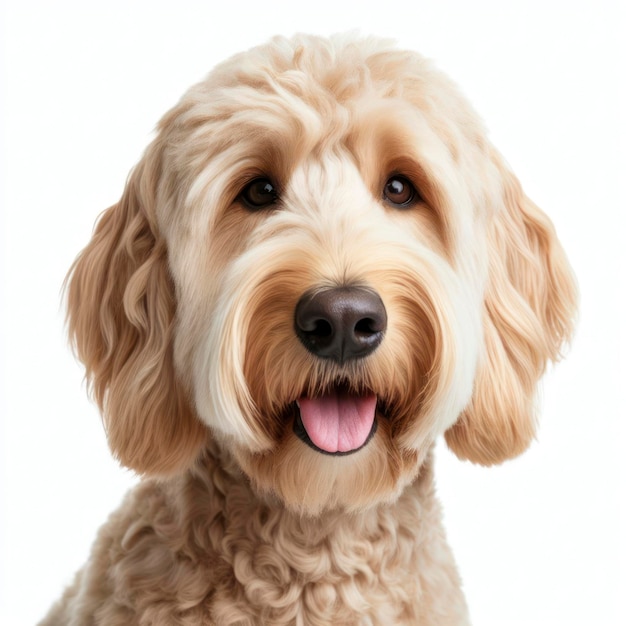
(319, 266)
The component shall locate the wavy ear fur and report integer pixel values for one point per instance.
(121, 311)
(530, 304)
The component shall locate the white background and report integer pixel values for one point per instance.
(540, 540)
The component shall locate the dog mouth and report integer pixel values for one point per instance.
(338, 422)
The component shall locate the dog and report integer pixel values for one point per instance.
(319, 266)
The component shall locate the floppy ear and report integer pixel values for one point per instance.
(530, 303)
(121, 309)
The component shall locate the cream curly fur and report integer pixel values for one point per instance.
(182, 309)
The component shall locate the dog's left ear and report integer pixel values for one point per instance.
(530, 305)
(121, 312)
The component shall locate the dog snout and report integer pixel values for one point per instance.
(341, 323)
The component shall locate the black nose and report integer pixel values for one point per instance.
(341, 323)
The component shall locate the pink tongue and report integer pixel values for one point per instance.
(338, 421)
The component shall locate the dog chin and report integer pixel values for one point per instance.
(311, 478)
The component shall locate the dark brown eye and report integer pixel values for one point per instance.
(259, 193)
(399, 191)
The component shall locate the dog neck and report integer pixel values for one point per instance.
(215, 497)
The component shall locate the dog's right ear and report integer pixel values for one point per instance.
(121, 309)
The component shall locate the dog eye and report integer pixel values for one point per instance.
(399, 191)
(259, 193)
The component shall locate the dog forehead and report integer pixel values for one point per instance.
(292, 97)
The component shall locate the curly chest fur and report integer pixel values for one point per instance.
(234, 560)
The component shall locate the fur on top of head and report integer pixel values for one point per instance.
(303, 166)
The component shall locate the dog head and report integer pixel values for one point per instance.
(322, 264)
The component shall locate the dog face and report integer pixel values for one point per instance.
(322, 264)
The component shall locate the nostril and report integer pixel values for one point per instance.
(368, 326)
(320, 328)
